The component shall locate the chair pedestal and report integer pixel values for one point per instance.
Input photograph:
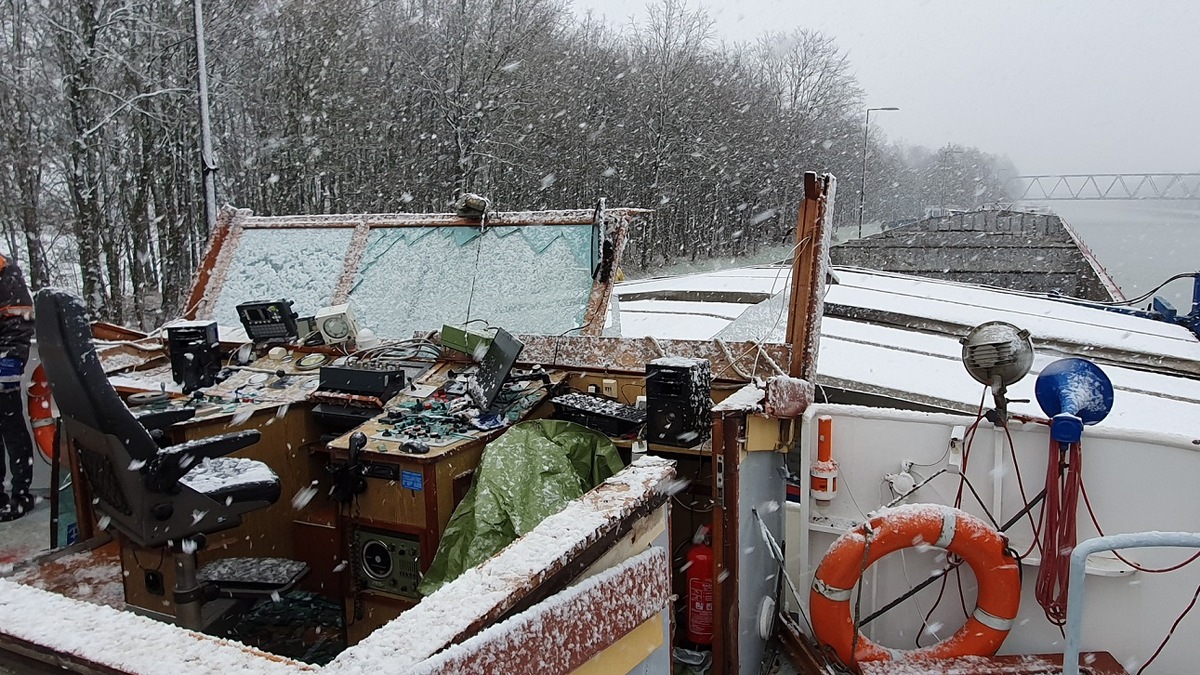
(188, 592)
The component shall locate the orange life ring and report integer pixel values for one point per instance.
(976, 542)
(41, 413)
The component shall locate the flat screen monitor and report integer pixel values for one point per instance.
(494, 369)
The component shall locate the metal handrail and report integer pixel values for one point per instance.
(1078, 567)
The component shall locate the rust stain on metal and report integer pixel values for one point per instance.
(614, 232)
(205, 272)
(813, 229)
(384, 220)
(354, 256)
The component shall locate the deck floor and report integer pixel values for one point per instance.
(25, 537)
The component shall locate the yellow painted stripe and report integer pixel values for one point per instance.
(625, 654)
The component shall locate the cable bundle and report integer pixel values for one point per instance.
(1059, 532)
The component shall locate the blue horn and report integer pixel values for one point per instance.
(1072, 393)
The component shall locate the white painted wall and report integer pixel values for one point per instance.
(1136, 481)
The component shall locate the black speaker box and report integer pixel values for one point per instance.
(678, 401)
(195, 354)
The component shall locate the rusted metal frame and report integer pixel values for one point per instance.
(614, 230)
(685, 295)
(576, 566)
(581, 625)
(503, 218)
(353, 260)
(798, 648)
(809, 264)
(102, 330)
(726, 465)
(85, 515)
(1091, 663)
(206, 270)
(211, 275)
(630, 355)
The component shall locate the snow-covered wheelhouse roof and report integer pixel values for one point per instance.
(893, 339)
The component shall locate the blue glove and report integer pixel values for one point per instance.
(11, 370)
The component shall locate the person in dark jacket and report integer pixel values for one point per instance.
(16, 332)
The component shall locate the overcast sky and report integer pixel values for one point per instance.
(1079, 86)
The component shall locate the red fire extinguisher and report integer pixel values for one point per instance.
(700, 588)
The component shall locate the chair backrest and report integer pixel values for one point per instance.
(81, 389)
(112, 445)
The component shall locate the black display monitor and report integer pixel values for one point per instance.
(494, 369)
(268, 320)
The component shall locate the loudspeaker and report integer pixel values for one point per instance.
(388, 561)
(678, 401)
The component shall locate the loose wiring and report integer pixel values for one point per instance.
(1170, 632)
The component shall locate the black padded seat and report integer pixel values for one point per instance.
(232, 480)
(152, 494)
(157, 496)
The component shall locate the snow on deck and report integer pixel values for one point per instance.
(123, 641)
(925, 367)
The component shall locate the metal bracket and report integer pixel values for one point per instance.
(720, 480)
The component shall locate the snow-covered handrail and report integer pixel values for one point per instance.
(1078, 569)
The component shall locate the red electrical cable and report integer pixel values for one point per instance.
(1088, 503)
(968, 439)
(1170, 632)
(1036, 527)
(1058, 534)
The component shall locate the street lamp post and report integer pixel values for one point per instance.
(862, 188)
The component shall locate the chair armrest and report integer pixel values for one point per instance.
(160, 419)
(171, 463)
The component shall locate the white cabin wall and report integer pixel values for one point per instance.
(1136, 482)
(758, 573)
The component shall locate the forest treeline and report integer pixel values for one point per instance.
(327, 106)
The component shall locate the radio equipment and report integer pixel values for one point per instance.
(608, 417)
(381, 383)
(268, 320)
(388, 561)
(195, 354)
(678, 401)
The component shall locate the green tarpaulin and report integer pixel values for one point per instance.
(527, 474)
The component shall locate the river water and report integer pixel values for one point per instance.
(1140, 243)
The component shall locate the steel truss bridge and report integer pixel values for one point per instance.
(1105, 186)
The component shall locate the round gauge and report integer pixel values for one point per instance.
(312, 362)
(376, 560)
(336, 327)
